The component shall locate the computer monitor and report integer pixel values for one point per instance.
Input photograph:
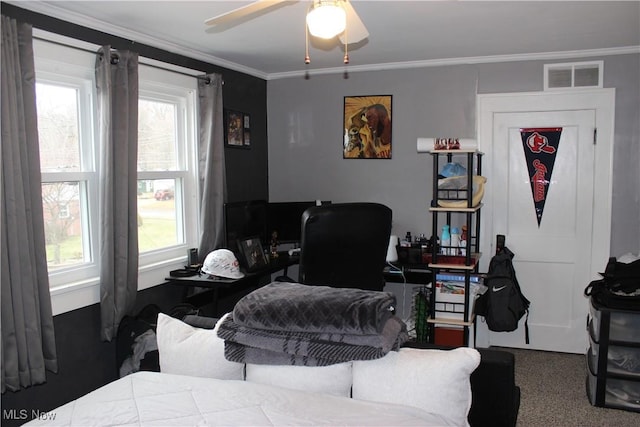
(243, 220)
(286, 219)
(251, 218)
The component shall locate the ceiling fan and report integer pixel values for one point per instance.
(325, 18)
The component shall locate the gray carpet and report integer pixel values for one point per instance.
(553, 393)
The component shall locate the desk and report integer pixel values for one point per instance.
(282, 262)
(408, 273)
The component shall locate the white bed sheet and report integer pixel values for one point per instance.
(157, 399)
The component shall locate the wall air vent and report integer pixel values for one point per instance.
(576, 75)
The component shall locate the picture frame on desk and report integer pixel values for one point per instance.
(252, 254)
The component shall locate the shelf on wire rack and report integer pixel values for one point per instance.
(456, 262)
(462, 210)
(454, 322)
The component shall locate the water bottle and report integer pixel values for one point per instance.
(463, 240)
(445, 240)
(455, 241)
(406, 242)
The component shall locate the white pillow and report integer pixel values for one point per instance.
(187, 350)
(332, 379)
(436, 381)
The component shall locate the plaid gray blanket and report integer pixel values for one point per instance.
(294, 307)
(294, 324)
(250, 345)
(258, 356)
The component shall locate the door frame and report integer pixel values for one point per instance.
(600, 100)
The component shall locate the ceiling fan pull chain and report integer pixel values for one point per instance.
(307, 60)
(346, 44)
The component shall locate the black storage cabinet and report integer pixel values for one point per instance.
(613, 357)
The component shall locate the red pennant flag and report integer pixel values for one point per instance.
(540, 148)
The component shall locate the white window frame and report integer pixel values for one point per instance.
(571, 67)
(57, 63)
(161, 85)
(63, 211)
(76, 72)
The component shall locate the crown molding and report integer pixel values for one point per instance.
(52, 10)
(547, 56)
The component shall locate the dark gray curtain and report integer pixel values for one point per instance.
(211, 169)
(117, 88)
(28, 339)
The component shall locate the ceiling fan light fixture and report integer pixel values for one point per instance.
(326, 19)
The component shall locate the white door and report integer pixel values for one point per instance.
(557, 257)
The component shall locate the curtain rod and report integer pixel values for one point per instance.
(205, 78)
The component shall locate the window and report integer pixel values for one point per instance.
(65, 131)
(573, 75)
(157, 140)
(63, 211)
(166, 149)
(167, 184)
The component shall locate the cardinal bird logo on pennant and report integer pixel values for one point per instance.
(540, 148)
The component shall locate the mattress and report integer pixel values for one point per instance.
(157, 399)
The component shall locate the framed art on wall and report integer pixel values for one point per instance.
(367, 127)
(237, 129)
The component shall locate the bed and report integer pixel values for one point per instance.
(199, 384)
(160, 399)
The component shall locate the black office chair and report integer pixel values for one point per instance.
(345, 245)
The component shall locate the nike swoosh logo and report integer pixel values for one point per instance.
(498, 289)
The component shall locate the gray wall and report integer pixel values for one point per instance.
(305, 137)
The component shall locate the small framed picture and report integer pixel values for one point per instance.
(237, 129)
(253, 254)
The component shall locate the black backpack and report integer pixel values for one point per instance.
(134, 343)
(503, 304)
(619, 287)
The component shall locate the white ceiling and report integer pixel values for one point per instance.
(402, 33)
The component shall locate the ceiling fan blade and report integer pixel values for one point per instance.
(356, 31)
(242, 11)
